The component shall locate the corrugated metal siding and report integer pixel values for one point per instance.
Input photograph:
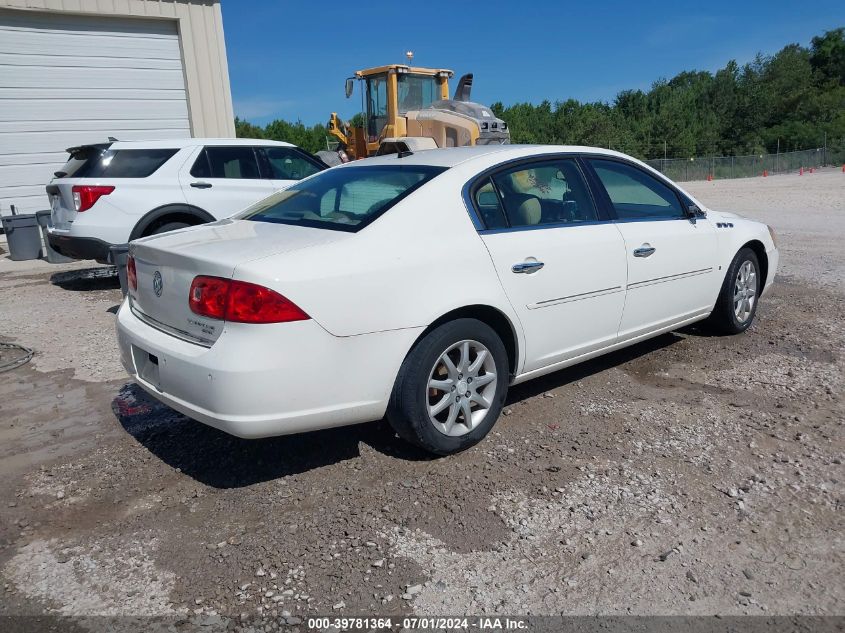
(165, 75)
(200, 25)
(70, 79)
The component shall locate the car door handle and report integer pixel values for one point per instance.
(201, 185)
(527, 267)
(646, 250)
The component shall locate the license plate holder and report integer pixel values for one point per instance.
(147, 367)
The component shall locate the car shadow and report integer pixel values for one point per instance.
(220, 460)
(552, 381)
(701, 329)
(87, 279)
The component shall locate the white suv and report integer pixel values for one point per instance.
(115, 192)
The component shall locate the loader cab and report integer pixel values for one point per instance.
(415, 91)
(391, 91)
(375, 103)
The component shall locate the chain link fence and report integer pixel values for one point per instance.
(700, 168)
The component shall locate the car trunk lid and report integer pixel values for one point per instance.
(167, 264)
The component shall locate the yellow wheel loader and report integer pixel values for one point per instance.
(407, 108)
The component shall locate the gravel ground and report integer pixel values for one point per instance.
(690, 474)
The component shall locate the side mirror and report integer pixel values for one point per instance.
(350, 86)
(694, 211)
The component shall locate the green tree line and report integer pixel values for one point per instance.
(311, 138)
(794, 99)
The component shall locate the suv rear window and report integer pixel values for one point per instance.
(343, 199)
(234, 161)
(96, 161)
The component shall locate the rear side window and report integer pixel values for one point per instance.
(552, 192)
(226, 162)
(102, 162)
(489, 206)
(343, 199)
(636, 195)
(288, 163)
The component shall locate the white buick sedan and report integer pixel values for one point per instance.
(421, 285)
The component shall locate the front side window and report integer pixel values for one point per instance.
(634, 194)
(552, 192)
(94, 161)
(286, 163)
(344, 199)
(415, 92)
(226, 162)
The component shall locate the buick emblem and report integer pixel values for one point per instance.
(158, 284)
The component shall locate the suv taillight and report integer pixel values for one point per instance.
(240, 301)
(84, 196)
(131, 273)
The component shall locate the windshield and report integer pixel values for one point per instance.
(416, 92)
(343, 199)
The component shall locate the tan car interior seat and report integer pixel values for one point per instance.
(529, 211)
(524, 206)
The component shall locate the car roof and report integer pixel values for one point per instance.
(449, 157)
(179, 143)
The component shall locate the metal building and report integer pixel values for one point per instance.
(78, 71)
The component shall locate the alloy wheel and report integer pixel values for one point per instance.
(745, 291)
(461, 388)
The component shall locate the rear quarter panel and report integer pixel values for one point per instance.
(114, 216)
(138, 196)
(420, 260)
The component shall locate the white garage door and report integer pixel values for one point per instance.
(68, 80)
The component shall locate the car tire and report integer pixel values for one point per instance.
(476, 352)
(167, 227)
(737, 303)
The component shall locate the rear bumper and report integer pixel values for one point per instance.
(266, 380)
(78, 247)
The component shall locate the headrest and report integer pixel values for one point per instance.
(529, 212)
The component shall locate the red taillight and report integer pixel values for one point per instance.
(240, 301)
(250, 303)
(84, 196)
(208, 296)
(131, 273)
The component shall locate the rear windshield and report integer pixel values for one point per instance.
(96, 161)
(343, 199)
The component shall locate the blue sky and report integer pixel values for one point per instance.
(288, 59)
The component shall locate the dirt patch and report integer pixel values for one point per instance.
(66, 316)
(100, 577)
(690, 474)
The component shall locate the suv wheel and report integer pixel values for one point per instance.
(169, 226)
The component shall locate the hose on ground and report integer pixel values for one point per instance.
(14, 363)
